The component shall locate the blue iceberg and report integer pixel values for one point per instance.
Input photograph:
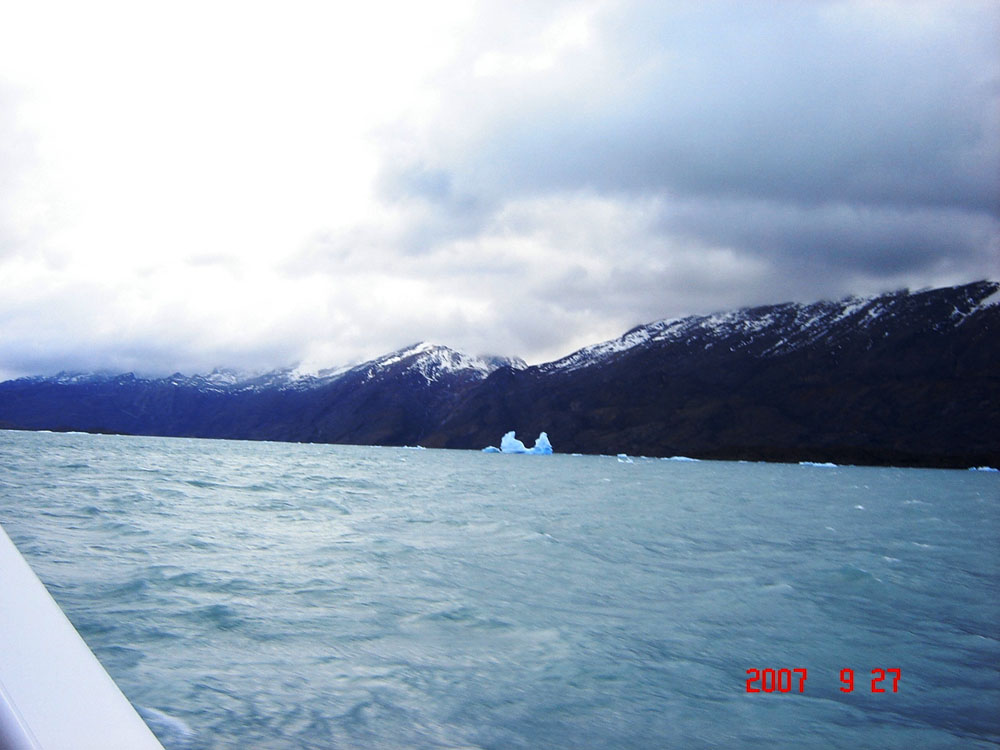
(510, 444)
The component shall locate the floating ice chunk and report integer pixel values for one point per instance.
(510, 444)
(822, 465)
(983, 468)
(624, 459)
(542, 446)
(491, 449)
(681, 458)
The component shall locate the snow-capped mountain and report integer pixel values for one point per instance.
(436, 363)
(907, 378)
(431, 362)
(785, 328)
(393, 399)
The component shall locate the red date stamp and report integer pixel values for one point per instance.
(787, 680)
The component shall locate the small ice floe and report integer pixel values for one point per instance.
(820, 464)
(510, 444)
(859, 507)
(982, 468)
(624, 459)
(681, 458)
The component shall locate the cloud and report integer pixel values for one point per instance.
(318, 184)
(842, 238)
(774, 151)
(804, 103)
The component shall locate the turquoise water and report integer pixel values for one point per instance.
(307, 596)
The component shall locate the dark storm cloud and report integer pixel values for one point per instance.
(840, 237)
(835, 137)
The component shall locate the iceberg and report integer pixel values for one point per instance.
(542, 446)
(510, 444)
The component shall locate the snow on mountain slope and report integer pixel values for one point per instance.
(993, 299)
(435, 362)
(777, 329)
(430, 361)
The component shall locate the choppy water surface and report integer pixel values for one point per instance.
(304, 596)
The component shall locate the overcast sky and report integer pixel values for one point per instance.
(189, 185)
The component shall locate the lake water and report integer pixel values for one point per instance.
(274, 595)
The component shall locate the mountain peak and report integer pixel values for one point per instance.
(434, 361)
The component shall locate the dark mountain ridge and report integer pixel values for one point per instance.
(903, 378)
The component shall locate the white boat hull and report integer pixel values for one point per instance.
(54, 694)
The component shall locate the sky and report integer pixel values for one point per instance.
(192, 185)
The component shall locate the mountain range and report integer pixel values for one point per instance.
(906, 378)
